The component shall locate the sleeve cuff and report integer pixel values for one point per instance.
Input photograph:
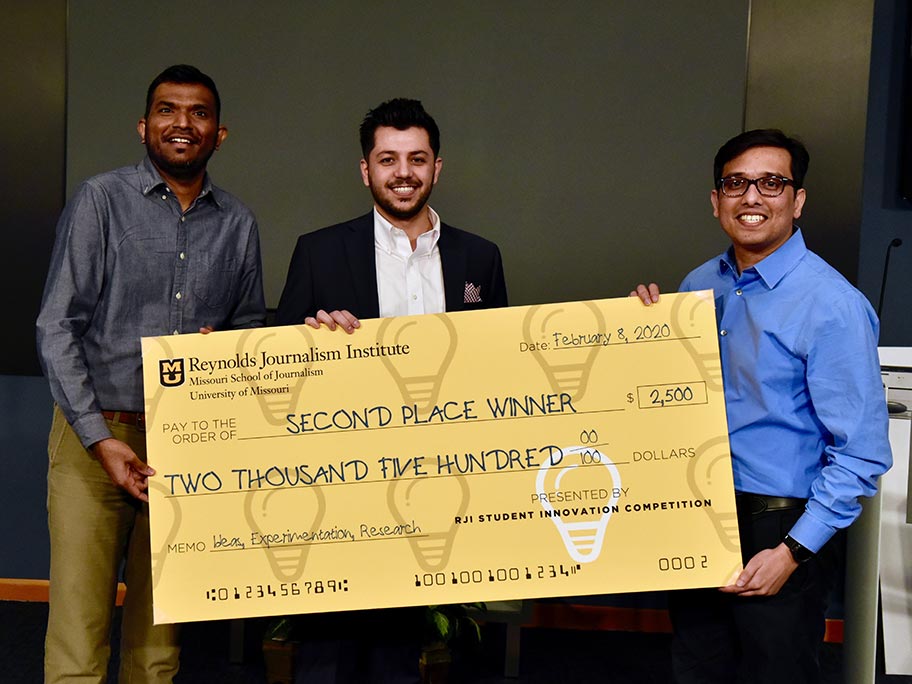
(91, 428)
(811, 533)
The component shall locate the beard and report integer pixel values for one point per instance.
(183, 167)
(386, 199)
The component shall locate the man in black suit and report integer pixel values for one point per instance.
(399, 259)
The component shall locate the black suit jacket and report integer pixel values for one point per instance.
(335, 268)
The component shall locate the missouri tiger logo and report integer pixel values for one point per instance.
(171, 372)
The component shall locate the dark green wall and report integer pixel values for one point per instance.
(808, 71)
(32, 128)
(577, 135)
(32, 140)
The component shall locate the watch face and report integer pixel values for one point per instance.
(799, 552)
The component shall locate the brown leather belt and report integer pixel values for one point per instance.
(760, 503)
(126, 418)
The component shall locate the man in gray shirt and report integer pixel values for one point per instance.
(152, 249)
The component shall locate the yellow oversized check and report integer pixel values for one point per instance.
(554, 450)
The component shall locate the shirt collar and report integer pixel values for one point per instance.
(151, 181)
(774, 267)
(384, 232)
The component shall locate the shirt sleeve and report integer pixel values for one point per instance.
(250, 308)
(297, 300)
(691, 283)
(71, 294)
(843, 377)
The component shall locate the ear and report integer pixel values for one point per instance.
(800, 196)
(141, 129)
(365, 176)
(438, 164)
(220, 136)
(714, 198)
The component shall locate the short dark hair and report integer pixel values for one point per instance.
(763, 137)
(401, 114)
(184, 73)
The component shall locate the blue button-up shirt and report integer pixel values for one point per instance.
(806, 410)
(129, 263)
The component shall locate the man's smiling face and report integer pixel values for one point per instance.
(400, 171)
(758, 225)
(181, 129)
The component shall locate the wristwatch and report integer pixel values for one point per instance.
(800, 553)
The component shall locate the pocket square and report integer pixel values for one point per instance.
(472, 294)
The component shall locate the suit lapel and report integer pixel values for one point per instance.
(453, 259)
(359, 248)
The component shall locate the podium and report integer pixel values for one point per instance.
(878, 576)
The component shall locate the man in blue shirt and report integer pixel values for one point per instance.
(807, 422)
(151, 249)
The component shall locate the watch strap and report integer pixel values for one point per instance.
(800, 552)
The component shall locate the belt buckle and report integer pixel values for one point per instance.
(141, 421)
(758, 504)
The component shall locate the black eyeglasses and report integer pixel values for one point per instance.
(768, 186)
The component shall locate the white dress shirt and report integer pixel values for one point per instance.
(408, 282)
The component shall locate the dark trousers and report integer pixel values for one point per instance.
(726, 639)
(360, 647)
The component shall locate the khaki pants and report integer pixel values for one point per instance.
(94, 526)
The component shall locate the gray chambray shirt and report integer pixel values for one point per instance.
(127, 263)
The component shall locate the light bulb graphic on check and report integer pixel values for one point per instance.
(275, 407)
(419, 376)
(433, 504)
(164, 524)
(684, 312)
(166, 521)
(280, 511)
(574, 334)
(582, 531)
(709, 469)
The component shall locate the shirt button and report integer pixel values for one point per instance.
(176, 332)
(164, 197)
(414, 297)
(182, 256)
(738, 292)
(183, 218)
(177, 296)
(723, 332)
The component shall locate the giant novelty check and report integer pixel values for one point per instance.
(554, 450)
